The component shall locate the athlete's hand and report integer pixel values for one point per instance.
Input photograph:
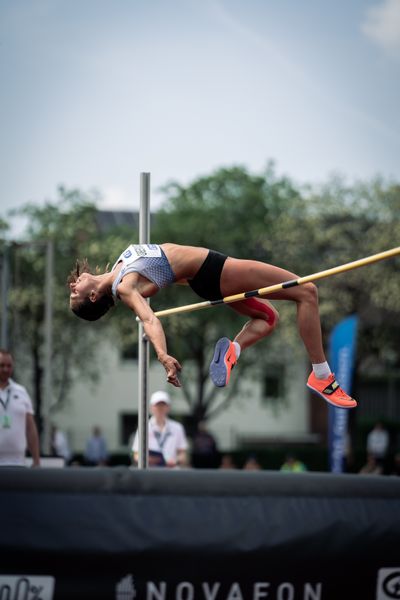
(172, 368)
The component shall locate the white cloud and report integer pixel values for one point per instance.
(382, 26)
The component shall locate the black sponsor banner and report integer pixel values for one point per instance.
(185, 535)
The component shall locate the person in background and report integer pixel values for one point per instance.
(204, 448)
(59, 444)
(293, 465)
(252, 464)
(371, 467)
(96, 453)
(167, 438)
(378, 443)
(227, 462)
(18, 429)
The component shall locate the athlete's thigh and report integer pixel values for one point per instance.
(244, 275)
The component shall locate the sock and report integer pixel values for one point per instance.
(237, 349)
(321, 370)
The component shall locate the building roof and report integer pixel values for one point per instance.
(108, 219)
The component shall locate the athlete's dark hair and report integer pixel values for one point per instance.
(91, 311)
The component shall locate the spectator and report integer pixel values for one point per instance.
(96, 453)
(293, 465)
(17, 424)
(252, 464)
(378, 443)
(59, 444)
(372, 466)
(204, 449)
(167, 438)
(227, 462)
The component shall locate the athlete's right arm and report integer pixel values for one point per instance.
(153, 329)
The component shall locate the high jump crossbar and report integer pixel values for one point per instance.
(362, 262)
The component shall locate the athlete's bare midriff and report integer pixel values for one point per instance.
(185, 261)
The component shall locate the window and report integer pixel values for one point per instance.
(274, 382)
(129, 352)
(128, 426)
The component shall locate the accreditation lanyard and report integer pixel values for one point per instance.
(6, 419)
(161, 436)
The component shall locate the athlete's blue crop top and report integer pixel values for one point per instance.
(148, 260)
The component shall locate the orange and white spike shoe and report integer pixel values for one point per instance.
(223, 361)
(330, 390)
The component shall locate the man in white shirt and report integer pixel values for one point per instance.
(167, 438)
(17, 424)
(378, 442)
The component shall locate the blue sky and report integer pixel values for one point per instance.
(94, 92)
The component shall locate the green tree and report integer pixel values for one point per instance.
(70, 222)
(251, 216)
(350, 222)
(243, 215)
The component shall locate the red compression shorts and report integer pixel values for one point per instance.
(257, 305)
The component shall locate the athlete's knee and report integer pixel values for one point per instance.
(310, 293)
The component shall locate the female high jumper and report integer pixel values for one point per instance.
(143, 269)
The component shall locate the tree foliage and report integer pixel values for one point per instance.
(260, 216)
(242, 215)
(305, 231)
(70, 223)
(351, 222)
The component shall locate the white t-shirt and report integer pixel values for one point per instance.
(14, 406)
(169, 441)
(378, 442)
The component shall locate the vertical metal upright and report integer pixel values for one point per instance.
(143, 342)
(48, 348)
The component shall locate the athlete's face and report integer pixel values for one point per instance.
(80, 289)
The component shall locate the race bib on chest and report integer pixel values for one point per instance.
(136, 251)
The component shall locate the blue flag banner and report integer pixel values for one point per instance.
(341, 356)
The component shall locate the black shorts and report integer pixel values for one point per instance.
(206, 282)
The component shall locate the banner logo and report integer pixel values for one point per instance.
(26, 587)
(388, 585)
(216, 590)
(125, 589)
